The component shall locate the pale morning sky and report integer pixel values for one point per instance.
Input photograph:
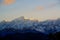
(38, 9)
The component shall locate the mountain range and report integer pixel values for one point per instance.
(48, 26)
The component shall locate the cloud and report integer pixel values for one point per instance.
(39, 8)
(7, 2)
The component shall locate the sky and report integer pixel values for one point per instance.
(37, 9)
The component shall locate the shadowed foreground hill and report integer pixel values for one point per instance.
(25, 36)
(55, 36)
(9, 34)
(31, 35)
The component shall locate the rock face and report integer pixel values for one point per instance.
(29, 28)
